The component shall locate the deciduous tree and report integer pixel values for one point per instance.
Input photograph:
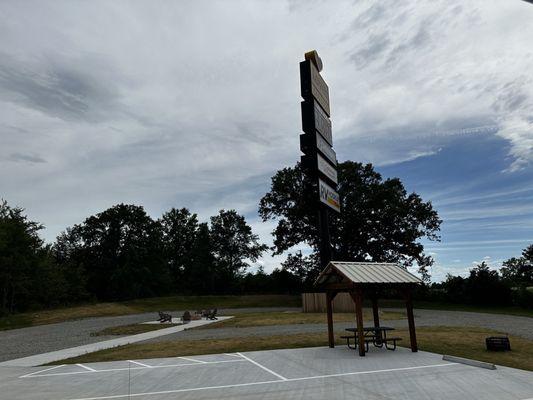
(380, 221)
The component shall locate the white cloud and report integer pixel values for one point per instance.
(196, 104)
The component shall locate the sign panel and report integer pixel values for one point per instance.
(323, 124)
(325, 149)
(310, 143)
(315, 119)
(320, 89)
(326, 168)
(328, 196)
(314, 85)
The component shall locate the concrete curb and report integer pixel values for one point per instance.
(467, 361)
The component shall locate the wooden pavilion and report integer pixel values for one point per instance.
(362, 279)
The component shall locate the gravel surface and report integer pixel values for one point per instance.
(24, 342)
(514, 325)
(17, 343)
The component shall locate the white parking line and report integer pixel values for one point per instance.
(94, 371)
(86, 367)
(140, 363)
(232, 355)
(263, 367)
(192, 359)
(43, 370)
(277, 381)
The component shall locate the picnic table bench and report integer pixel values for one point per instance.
(377, 335)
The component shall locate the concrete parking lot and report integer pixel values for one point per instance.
(311, 373)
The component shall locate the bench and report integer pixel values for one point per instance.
(164, 317)
(348, 341)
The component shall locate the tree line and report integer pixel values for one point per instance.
(122, 253)
(511, 285)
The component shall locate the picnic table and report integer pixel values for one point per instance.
(377, 335)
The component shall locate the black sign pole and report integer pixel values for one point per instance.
(325, 240)
(319, 161)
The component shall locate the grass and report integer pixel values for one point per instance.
(288, 318)
(132, 329)
(173, 303)
(428, 305)
(469, 342)
(463, 342)
(155, 304)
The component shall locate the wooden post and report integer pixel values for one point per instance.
(329, 307)
(375, 309)
(358, 299)
(375, 312)
(411, 318)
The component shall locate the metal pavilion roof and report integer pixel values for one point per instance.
(364, 272)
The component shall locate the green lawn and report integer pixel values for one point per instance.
(289, 318)
(132, 329)
(523, 312)
(172, 303)
(463, 342)
(146, 305)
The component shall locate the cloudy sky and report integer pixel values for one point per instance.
(196, 104)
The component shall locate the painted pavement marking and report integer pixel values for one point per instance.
(94, 371)
(277, 381)
(263, 367)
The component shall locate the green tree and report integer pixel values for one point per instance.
(68, 255)
(234, 244)
(200, 274)
(29, 277)
(180, 229)
(528, 253)
(485, 287)
(380, 221)
(121, 251)
(20, 255)
(518, 271)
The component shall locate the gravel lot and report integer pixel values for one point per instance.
(17, 343)
(39, 339)
(514, 325)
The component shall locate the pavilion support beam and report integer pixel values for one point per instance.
(375, 313)
(329, 307)
(357, 296)
(408, 294)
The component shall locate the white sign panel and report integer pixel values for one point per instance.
(328, 196)
(326, 168)
(325, 149)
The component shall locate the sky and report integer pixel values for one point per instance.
(196, 104)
